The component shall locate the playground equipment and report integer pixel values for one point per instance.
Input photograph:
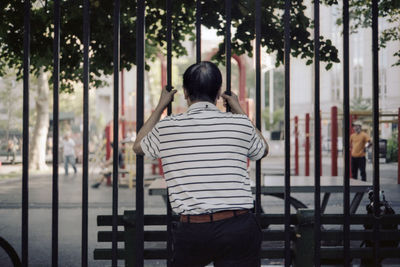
(334, 129)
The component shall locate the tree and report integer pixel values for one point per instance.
(101, 39)
(360, 12)
(10, 98)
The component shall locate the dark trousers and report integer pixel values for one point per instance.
(358, 163)
(233, 242)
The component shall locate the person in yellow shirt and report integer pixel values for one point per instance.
(358, 142)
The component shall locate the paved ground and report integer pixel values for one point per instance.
(40, 188)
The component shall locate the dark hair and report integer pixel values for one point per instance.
(202, 81)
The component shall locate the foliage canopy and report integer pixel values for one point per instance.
(101, 34)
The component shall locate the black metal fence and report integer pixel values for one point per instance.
(140, 63)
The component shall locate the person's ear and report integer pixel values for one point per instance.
(185, 93)
(219, 93)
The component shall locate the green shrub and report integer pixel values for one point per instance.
(392, 148)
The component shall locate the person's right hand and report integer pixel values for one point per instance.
(166, 97)
(233, 101)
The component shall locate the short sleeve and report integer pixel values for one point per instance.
(151, 144)
(367, 138)
(256, 147)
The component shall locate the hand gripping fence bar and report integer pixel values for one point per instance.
(228, 7)
(169, 111)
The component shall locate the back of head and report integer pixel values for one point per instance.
(202, 81)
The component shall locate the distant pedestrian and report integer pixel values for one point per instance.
(359, 141)
(108, 165)
(69, 152)
(11, 148)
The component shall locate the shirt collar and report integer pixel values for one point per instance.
(202, 105)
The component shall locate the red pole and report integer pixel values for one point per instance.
(307, 146)
(351, 132)
(108, 141)
(108, 149)
(334, 136)
(398, 149)
(296, 145)
(320, 144)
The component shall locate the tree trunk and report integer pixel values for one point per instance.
(37, 153)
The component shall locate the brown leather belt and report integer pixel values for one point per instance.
(212, 217)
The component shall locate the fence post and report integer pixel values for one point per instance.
(398, 149)
(307, 146)
(334, 135)
(129, 237)
(304, 242)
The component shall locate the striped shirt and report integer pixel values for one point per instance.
(204, 156)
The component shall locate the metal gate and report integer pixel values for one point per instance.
(140, 34)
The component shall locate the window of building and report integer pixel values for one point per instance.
(335, 83)
(382, 81)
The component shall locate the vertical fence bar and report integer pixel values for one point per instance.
(287, 131)
(346, 134)
(169, 51)
(25, 135)
(56, 81)
(228, 6)
(169, 111)
(139, 235)
(258, 100)
(317, 141)
(198, 31)
(334, 145)
(307, 146)
(116, 62)
(375, 118)
(85, 141)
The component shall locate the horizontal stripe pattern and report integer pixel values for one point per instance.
(204, 154)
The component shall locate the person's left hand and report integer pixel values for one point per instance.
(166, 98)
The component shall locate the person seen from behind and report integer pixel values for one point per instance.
(204, 154)
(359, 141)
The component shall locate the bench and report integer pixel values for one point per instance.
(301, 236)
